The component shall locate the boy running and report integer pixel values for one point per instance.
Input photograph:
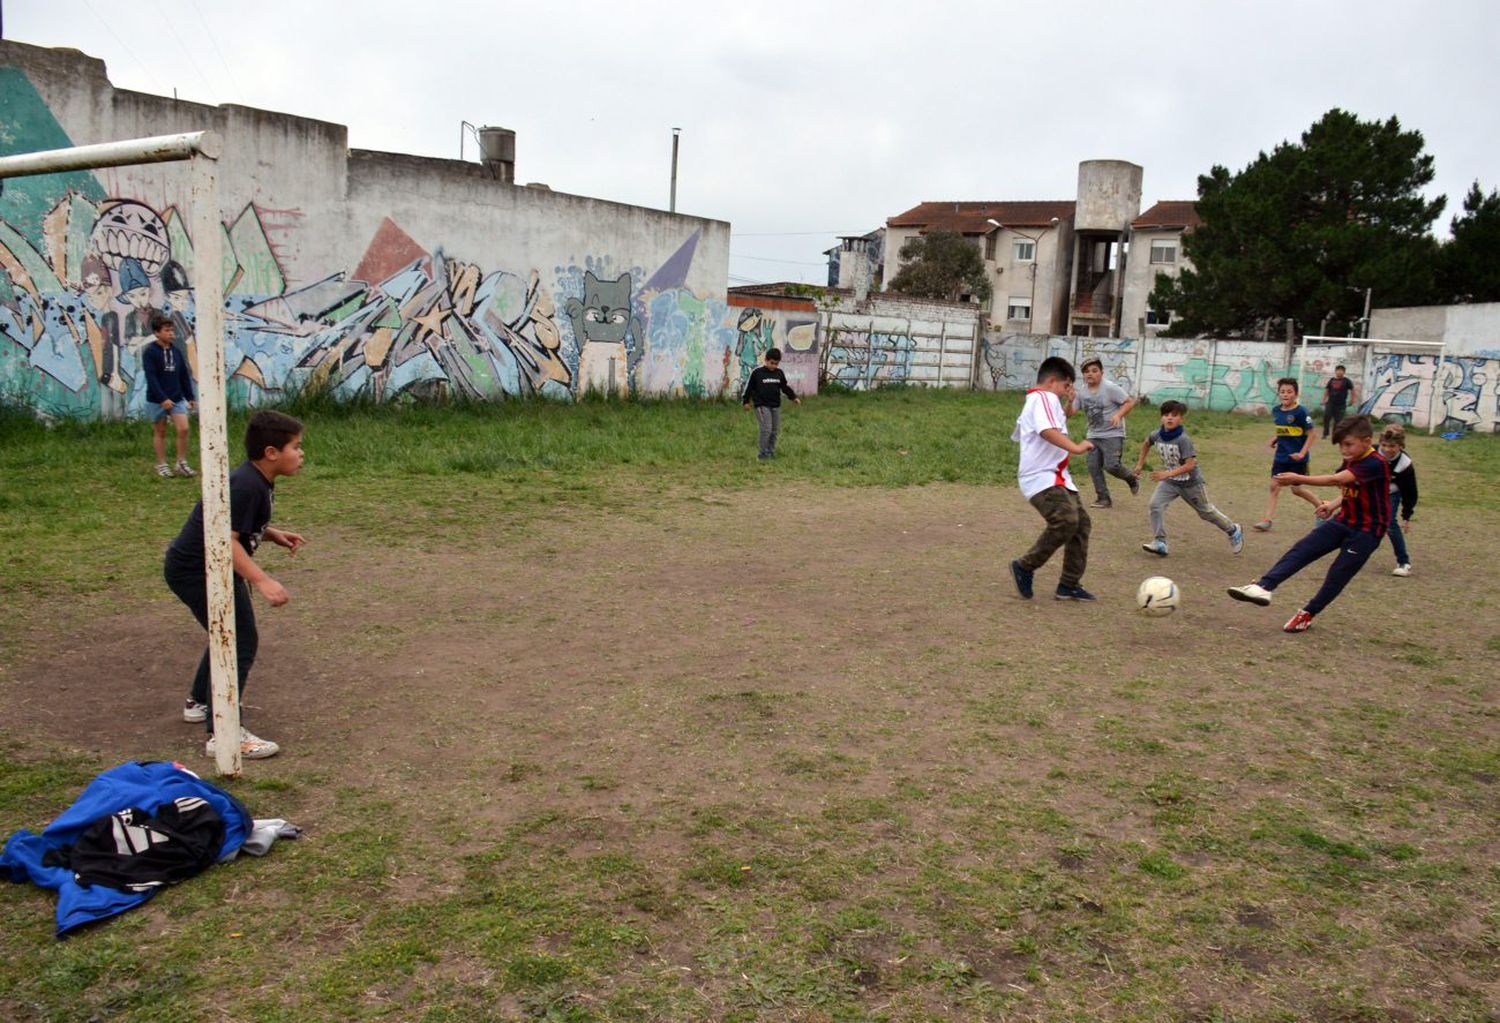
(1353, 527)
(1042, 431)
(1179, 476)
(1294, 438)
(1105, 404)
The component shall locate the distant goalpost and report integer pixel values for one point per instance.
(202, 149)
(1439, 349)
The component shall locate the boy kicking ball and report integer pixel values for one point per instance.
(1353, 526)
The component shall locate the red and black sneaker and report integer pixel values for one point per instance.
(1300, 622)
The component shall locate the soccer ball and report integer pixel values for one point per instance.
(1157, 597)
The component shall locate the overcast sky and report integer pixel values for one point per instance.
(806, 120)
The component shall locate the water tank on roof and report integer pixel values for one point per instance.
(497, 150)
(1109, 195)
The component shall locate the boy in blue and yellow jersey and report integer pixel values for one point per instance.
(1353, 526)
(1294, 438)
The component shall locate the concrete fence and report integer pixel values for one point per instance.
(1240, 376)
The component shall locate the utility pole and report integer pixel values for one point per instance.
(672, 201)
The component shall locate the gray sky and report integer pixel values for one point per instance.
(810, 119)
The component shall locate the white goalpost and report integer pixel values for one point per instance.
(202, 149)
(1434, 348)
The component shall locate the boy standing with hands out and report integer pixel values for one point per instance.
(273, 448)
(1042, 431)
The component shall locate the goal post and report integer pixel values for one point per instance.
(202, 149)
(1437, 349)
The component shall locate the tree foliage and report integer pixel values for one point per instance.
(1470, 265)
(1303, 230)
(942, 265)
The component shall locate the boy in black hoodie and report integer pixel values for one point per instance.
(763, 392)
(169, 394)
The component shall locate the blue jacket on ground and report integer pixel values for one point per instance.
(147, 785)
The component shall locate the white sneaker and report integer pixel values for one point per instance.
(252, 746)
(192, 710)
(1251, 592)
(1402, 570)
(183, 469)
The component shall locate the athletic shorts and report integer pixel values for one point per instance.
(1302, 466)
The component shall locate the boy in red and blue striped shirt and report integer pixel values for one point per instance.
(1353, 526)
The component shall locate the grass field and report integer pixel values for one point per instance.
(588, 715)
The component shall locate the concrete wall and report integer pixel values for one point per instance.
(892, 340)
(1468, 329)
(791, 325)
(1240, 376)
(370, 274)
(1109, 195)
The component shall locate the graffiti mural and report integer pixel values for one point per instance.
(865, 359)
(1468, 391)
(75, 309)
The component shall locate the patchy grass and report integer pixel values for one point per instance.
(566, 749)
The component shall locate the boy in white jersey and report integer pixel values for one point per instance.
(1042, 432)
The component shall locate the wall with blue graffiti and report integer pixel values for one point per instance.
(361, 274)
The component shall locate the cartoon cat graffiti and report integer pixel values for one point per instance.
(607, 334)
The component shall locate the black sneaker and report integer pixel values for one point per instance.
(1135, 485)
(1022, 578)
(1072, 593)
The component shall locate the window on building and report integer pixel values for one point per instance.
(1025, 252)
(989, 245)
(1164, 251)
(1019, 308)
(1158, 317)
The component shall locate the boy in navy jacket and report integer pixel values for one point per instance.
(169, 394)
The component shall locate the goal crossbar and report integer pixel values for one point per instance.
(1400, 345)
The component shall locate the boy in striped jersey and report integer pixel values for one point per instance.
(1352, 526)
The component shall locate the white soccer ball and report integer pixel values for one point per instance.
(1158, 597)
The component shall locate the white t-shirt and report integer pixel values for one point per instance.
(1043, 464)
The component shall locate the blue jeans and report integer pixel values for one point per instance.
(1398, 539)
(1354, 546)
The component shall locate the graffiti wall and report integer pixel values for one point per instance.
(513, 292)
(889, 340)
(762, 322)
(1467, 398)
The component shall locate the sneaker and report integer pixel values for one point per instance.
(1155, 547)
(1135, 485)
(252, 747)
(1236, 539)
(763, 456)
(1263, 526)
(1022, 578)
(1065, 592)
(183, 469)
(1103, 502)
(164, 470)
(1300, 622)
(1402, 570)
(192, 710)
(1254, 593)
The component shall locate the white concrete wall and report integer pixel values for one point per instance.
(890, 340)
(1472, 329)
(371, 274)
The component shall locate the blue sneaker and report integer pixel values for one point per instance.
(1236, 539)
(1072, 593)
(1022, 578)
(1155, 547)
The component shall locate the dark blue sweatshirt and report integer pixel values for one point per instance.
(167, 376)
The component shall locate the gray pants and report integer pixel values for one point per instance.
(770, 425)
(1196, 497)
(1105, 458)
